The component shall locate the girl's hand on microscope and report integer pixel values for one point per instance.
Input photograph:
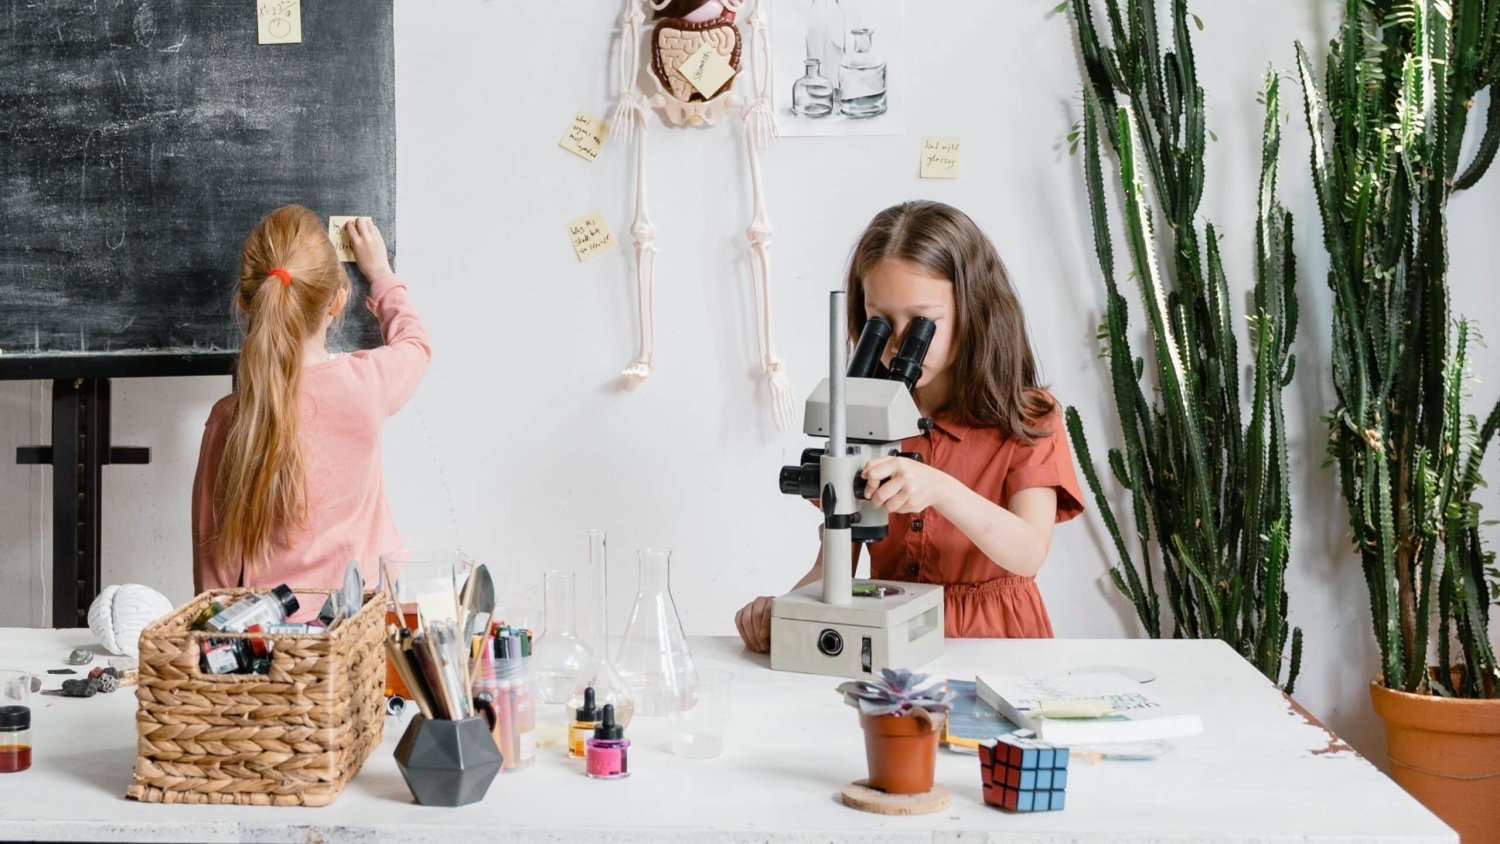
(902, 485)
(754, 623)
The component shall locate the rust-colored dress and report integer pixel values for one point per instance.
(981, 599)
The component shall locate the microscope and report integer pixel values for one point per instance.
(843, 627)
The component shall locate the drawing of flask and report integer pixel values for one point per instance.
(812, 96)
(654, 657)
(826, 33)
(862, 79)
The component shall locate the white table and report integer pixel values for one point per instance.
(1259, 773)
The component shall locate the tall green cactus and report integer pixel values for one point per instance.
(1215, 490)
(1400, 83)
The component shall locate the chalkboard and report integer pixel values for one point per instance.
(140, 140)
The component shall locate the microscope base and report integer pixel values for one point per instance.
(901, 630)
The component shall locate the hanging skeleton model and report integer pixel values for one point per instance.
(681, 29)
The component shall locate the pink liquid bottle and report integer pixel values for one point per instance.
(605, 753)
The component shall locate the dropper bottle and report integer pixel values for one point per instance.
(585, 719)
(604, 754)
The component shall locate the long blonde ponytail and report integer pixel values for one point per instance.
(290, 275)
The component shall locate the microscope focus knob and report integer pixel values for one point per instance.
(802, 481)
(910, 455)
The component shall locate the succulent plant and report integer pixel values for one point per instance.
(898, 692)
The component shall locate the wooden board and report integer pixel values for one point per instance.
(859, 795)
(143, 139)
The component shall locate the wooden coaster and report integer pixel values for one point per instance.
(859, 795)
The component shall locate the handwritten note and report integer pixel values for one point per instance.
(340, 237)
(585, 138)
(279, 21)
(590, 236)
(707, 70)
(942, 158)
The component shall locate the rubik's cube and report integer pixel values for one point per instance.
(1023, 774)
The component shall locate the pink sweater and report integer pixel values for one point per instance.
(344, 405)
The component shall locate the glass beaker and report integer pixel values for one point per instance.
(862, 89)
(602, 676)
(812, 96)
(418, 574)
(654, 656)
(560, 654)
(700, 716)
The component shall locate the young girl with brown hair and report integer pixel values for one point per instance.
(289, 485)
(975, 514)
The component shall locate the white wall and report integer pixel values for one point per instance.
(520, 437)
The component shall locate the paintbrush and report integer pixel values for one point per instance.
(410, 679)
(431, 666)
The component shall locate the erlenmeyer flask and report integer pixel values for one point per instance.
(602, 676)
(560, 655)
(654, 656)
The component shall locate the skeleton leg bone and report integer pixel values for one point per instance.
(644, 233)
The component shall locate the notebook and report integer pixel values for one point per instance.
(1135, 715)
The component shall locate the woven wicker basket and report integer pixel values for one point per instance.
(292, 737)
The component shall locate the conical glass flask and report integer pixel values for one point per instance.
(602, 676)
(654, 656)
(561, 656)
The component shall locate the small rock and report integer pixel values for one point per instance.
(61, 671)
(80, 656)
(109, 683)
(80, 688)
(96, 672)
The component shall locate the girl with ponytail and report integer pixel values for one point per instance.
(289, 485)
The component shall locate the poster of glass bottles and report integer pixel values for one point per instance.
(840, 66)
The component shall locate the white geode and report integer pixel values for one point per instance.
(120, 613)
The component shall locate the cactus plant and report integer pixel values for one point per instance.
(1214, 489)
(897, 692)
(1386, 131)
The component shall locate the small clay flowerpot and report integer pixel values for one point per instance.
(901, 751)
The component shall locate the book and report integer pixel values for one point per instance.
(1134, 715)
(971, 720)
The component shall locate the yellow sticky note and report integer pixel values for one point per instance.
(279, 21)
(590, 236)
(942, 158)
(585, 138)
(340, 237)
(707, 69)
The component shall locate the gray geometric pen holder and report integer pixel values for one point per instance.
(448, 763)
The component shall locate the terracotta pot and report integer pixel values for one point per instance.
(1441, 750)
(901, 751)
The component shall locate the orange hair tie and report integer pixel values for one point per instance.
(286, 277)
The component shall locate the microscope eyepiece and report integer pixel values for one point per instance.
(907, 365)
(872, 340)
